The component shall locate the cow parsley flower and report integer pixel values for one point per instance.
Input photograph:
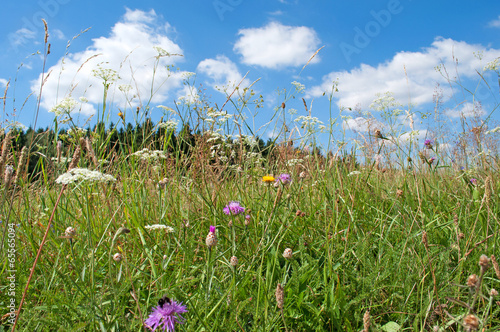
(168, 229)
(83, 174)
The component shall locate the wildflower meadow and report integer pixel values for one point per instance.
(198, 222)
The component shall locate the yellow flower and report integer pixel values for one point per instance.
(120, 114)
(268, 179)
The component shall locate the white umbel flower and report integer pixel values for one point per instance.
(83, 174)
(158, 226)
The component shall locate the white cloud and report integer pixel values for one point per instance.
(494, 23)
(276, 45)
(3, 82)
(466, 110)
(21, 37)
(408, 75)
(58, 34)
(362, 125)
(222, 71)
(413, 135)
(131, 49)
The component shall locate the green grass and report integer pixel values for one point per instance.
(359, 247)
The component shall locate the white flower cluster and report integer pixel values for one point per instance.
(167, 109)
(217, 117)
(187, 74)
(250, 140)
(168, 125)
(106, 74)
(66, 106)
(492, 65)
(354, 173)
(293, 162)
(494, 130)
(310, 122)
(384, 102)
(146, 154)
(158, 226)
(63, 160)
(83, 174)
(298, 86)
(255, 157)
(76, 132)
(125, 87)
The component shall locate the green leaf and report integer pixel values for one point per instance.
(391, 327)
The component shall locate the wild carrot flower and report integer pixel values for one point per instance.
(268, 179)
(83, 174)
(167, 313)
(233, 208)
(168, 229)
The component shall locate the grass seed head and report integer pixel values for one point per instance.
(425, 241)
(366, 321)
(8, 175)
(280, 299)
(20, 165)
(495, 266)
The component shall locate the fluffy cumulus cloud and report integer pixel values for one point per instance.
(362, 125)
(495, 23)
(466, 110)
(135, 45)
(277, 46)
(222, 71)
(410, 76)
(3, 83)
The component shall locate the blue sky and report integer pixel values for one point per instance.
(369, 48)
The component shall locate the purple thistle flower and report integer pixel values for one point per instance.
(167, 313)
(428, 143)
(473, 181)
(233, 208)
(212, 229)
(285, 178)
